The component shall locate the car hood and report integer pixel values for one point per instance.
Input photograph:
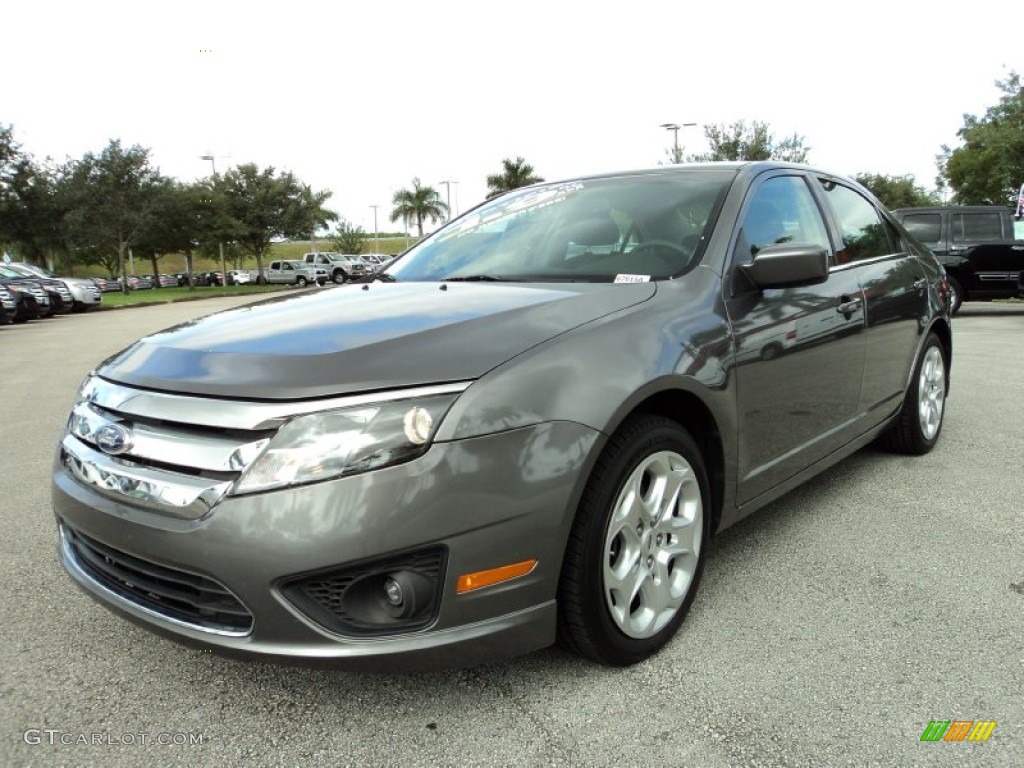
(361, 338)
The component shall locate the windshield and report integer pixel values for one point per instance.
(29, 270)
(649, 226)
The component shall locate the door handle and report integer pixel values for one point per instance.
(848, 305)
(920, 284)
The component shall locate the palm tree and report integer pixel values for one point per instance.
(417, 204)
(515, 173)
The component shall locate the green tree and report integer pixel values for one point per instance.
(348, 237)
(309, 208)
(988, 168)
(897, 191)
(514, 174)
(740, 141)
(417, 205)
(186, 219)
(262, 206)
(31, 211)
(111, 198)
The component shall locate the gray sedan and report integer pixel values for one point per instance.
(525, 430)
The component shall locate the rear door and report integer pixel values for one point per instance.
(799, 352)
(895, 287)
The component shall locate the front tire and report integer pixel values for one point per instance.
(919, 423)
(301, 282)
(340, 276)
(637, 547)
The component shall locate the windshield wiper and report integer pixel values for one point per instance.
(474, 279)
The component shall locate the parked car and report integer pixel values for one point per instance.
(8, 306)
(339, 266)
(379, 260)
(977, 245)
(58, 295)
(30, 300)
(238, 277)
(106, 285)
(83, 292)
(161, 281)
(525, 429)
(286, 272)
(136, 283)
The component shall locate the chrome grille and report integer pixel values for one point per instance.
(179, 455)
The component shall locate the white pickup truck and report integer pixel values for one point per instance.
(340, 266)
(285, 272)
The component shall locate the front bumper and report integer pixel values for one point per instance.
(486, 502)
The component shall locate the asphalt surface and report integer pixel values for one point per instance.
(829, 630)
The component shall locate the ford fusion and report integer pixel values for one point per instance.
(523, 430)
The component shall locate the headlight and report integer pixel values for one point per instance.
(320, 446)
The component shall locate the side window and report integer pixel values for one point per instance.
(926, 227)
(977, 228)
(782, 210)
(865, 234)
(275, 265)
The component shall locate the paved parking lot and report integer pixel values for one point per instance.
(829, 630)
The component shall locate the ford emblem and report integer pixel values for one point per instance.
(113, 439)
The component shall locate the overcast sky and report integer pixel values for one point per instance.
(361, 96)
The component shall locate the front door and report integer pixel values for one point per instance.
(799, 352)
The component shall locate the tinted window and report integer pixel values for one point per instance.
(977, 227)
(865, 234)
(648, 225)
(782, 210)
(924, 226)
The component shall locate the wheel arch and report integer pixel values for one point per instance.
(941, 329)
(691, 412)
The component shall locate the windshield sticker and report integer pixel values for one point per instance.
(632, 278)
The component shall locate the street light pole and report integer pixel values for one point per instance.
(220, 244)
(448, 189)
(376, 244)
(674, 127)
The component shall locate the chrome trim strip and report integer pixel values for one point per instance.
(74, 565)
(169, 445)
(229, 414)
(183, 496)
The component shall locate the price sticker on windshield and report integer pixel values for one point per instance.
(632, 278)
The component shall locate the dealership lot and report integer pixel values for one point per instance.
(829, 630)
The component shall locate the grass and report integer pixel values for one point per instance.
(113, 299)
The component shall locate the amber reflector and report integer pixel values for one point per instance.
(470, 581)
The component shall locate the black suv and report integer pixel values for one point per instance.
(61, 300)
(981, 247)
(30, 300)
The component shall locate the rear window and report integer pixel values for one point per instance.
(977, 227)
(924, 226)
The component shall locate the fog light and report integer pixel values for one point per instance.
(394, 592)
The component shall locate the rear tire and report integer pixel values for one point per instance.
(636, 551)
(919, 423)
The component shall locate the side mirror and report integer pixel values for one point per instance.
(787, 265)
